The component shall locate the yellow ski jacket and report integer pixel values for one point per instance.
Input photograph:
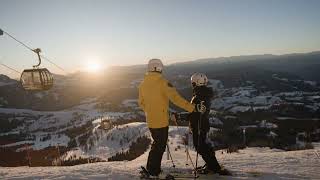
(154, 95)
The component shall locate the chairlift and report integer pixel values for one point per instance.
(36, 79)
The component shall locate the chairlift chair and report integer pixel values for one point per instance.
(36, 78)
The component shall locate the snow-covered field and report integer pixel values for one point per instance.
(250, 163)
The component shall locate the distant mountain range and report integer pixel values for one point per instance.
(232, 71)
(302, 65)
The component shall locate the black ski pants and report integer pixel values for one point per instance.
(205, 149)
(160, 137)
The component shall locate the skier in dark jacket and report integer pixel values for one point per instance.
(204, 94)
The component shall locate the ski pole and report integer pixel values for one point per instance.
(188, 155)
(173, 165)
(168, 157)
(186, 147)
(174, 119)
(187, 164)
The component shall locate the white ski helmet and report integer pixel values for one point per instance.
(155, 65)
(199, 79)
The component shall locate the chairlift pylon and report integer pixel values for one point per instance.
(36, 78)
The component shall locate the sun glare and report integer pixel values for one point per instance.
(93, 67)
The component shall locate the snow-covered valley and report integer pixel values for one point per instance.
(50, 128)
(249, 163)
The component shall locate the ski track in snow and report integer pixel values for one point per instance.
(250, 163)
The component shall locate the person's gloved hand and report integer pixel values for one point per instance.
(200, 107)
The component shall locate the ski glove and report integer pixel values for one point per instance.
(200, 108)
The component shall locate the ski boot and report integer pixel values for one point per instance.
(202, 169)
(224, 172)
(144, 174)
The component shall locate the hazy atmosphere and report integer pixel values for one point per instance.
(160, 89)
(77, 34)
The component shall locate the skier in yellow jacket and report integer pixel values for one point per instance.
(154, 95)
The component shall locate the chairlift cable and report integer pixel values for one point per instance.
(28, 47)
(50, 61)
(23, 44)
(12, 69)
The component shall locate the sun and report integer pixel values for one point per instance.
(93, 67)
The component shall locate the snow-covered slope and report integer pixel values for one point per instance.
(116, 140)
(250, 163)
(50, 128)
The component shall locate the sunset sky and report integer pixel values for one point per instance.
(78, 35)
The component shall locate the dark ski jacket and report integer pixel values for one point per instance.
(201, 93)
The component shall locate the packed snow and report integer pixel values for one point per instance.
(249, 163)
